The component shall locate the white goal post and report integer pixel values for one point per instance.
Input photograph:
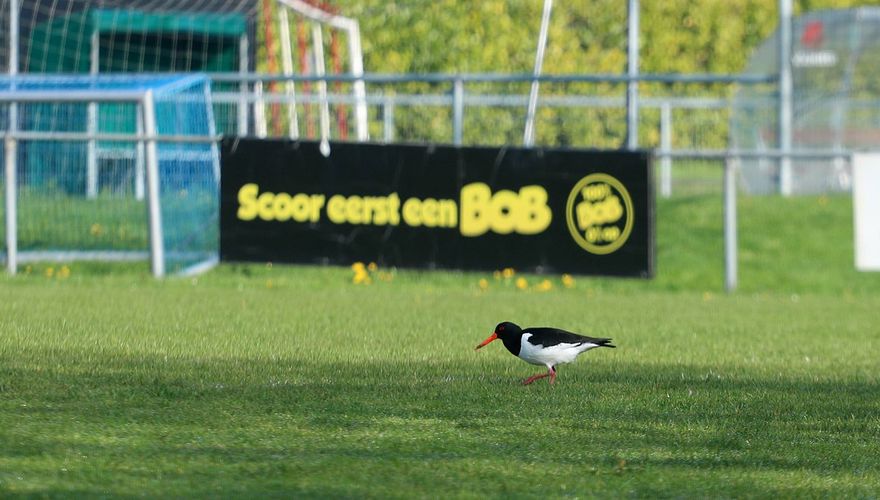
(145, 102)
(48, 213)
(356, 59)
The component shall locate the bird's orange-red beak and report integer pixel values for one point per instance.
(490, 339)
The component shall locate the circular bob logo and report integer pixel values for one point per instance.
(599, 214)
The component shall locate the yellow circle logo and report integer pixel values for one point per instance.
(599, 214)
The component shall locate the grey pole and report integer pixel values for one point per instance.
(785, 97)
(11, 205)
(730, 234)
(388, 119)
(666, 147)
(529, 133)
(457, 111)
(243, 88)
(632, 88)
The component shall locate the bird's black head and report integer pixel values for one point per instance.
(503, 331)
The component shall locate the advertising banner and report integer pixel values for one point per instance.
(424, 206)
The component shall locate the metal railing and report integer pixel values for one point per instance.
(247, 94)
(238, 92)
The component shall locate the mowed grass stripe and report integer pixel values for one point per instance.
(291, 381)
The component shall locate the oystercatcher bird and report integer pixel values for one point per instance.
(543, 346)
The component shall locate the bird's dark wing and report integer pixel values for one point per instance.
(547, 337)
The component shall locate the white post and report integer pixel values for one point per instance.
(11, 148)
(13, 37)
(139, 156)
(388, 119)
(242, 87)
(730, 232)
(11, 204)
(529, 132)
(866, 211)
(785, 97)
(360, 91)
(92, 127)
(287, 66)
(212, 131)
(457, 112)
(157, 249)
(260, 127)
(318, 42)
(632, 88)
(666, 148)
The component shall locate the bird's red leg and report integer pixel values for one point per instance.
(552, 374)
(534, 377)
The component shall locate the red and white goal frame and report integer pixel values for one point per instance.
(320, 15)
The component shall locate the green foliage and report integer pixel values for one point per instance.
(585, 37)
(677, 36)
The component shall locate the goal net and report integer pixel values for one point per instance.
(79, 187)
(76, 189)
(271, 37)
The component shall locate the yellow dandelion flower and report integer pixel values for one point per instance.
(372, 267)
(361, 278)
(358, 267)
(496, 275)
(64, 272)
(96, 230)
(544, 286)
(484, 284)
(521, 283)
(50, 271)
(567, 281)
(508, 272)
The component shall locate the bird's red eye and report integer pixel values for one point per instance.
(501, 328)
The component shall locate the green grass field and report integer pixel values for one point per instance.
(258, 380)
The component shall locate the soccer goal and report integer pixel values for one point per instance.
(232, 38)
(304, 29)
(160, 131)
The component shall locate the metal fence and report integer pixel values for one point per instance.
(677, 113)
(684, 120)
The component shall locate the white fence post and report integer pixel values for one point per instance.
(666, 148)
(457, 111)
(730, 235)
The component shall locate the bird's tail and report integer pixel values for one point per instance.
(606, 343)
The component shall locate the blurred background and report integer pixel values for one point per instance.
(778, 95)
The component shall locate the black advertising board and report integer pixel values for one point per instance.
(423, 206)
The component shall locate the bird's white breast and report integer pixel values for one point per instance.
(552, 355)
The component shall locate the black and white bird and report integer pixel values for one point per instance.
(543, 346)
